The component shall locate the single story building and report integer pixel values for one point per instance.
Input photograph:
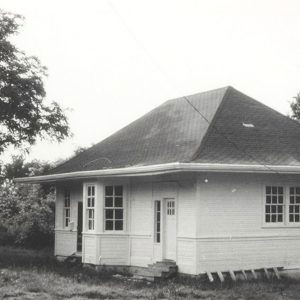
(210, 181)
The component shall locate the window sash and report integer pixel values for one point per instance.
(170, 207)
(274, 205)
(114, 208)
(90, 207)
(67, 208)
(90, 218)
(157, 217)
(281, 205)
(294, 205)
(66, 216)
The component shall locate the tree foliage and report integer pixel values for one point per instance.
(24, 115)
(295, 107)
(26, 211)
(19, 168)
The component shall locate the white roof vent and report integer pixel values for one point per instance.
(248, 125)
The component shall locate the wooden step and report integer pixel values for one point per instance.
(149, 272)
(158, 270)
(165, 263)
(146, 278)
(172, 269)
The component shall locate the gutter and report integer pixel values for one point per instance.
(159, 169)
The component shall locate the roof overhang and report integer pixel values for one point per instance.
(163, 169)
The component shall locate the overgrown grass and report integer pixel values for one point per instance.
(28, 274)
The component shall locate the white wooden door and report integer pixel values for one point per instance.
(170, 229)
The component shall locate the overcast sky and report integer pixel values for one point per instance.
(112, 61)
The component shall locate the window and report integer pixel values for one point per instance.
(114, 207)
(67, 208)
(282, 205)
(90, 207)
(157, 230)
(274, 206)
(294, 205)
(170, 207)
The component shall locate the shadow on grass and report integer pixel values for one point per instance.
(44, 260)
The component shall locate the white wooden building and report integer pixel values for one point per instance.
(211, 181)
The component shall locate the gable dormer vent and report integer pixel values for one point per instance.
(248, 125)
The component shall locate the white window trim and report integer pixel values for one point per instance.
(291, 224)
(286, 197)
(86, 208)
(65, 208)
(113, 231)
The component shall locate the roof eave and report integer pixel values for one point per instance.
(164, 169)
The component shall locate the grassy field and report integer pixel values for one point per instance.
(27, 274)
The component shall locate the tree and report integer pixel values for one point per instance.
(19, 168)
(24, 114)
(26, 210)
(79, 150)
(295, 107)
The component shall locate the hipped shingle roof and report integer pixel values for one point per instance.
(209, 127)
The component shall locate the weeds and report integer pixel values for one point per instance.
(29, 274)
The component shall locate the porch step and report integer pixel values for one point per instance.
(74, 258)
(166, 262)
(156, 271)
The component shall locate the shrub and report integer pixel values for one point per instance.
(26, 215)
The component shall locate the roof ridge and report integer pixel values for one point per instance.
(197, 94)
(134, 121)
(270, 108)
(211, 123)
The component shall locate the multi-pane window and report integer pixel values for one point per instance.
(274, 205)
(157, 230)
(67, 200)
(294, 205)
(90, 207)
(170, 207)
(114, 207)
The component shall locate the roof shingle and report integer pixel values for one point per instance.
(176, 132)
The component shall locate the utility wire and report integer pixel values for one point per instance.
(227, 139)
(117, 13)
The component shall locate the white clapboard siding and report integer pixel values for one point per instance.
(141, 223)
(186, 212)
(141, 250)
(230, 230)
(135, 246)
(246, 254)
(114, 250)
(90, 249)
(65, 242)
(186, 226)
(186, 255)
(141, 209)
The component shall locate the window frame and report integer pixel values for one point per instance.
(286, 204)
(170, 209)
(275, 224)
(66, 209)
(156, 232)
(114, 208)
(90, 208)
(292, 224)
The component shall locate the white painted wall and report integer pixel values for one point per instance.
(65, 238)
(231, 233)
(141, 223)
(135, 245)
(219, 224)
(65, 243)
